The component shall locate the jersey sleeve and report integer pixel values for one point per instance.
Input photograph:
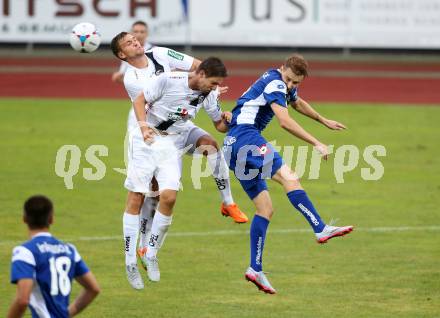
(154, 88)
(132, 84)
(176, 60)
(123, 67)
(22, 265)
(80, 267)
(212, 106)
(293, 95)
(275, 92)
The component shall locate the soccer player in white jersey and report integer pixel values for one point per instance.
(143, 66)
(139, 29)
(43, 269)
(172, 99)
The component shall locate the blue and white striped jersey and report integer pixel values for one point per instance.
(253, 107)
(52, 265)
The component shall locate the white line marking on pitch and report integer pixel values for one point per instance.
(243, 232)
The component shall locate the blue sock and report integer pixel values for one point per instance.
(258, 235)
(301, 202)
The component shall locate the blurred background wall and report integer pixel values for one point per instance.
(359, 50)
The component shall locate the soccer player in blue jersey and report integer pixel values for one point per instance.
(43, 269)
(253, 159)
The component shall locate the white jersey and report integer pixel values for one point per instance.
(124, 65)
(136, 78)
(173, 103)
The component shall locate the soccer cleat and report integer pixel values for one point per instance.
(134, 277)
(330, 231)
(260, 280)
(141, 253)
(152, 268)
(234, 212)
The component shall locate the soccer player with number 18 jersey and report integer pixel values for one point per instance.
(43, 269)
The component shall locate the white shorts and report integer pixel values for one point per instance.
(160, 159)
(187, 140)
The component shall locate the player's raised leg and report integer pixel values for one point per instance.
(259, 226)
(148, 210)
(146, 219)
(299, 199)
(208, 146)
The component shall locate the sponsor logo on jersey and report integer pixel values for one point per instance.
(181, 113)
(263, 150)
(175, 55)
(229, 140)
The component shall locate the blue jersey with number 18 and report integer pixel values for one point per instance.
(52, 265)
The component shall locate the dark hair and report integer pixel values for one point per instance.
(38, 210)
(114, 44)
(139, 22)
(213, 67)
(297, 64)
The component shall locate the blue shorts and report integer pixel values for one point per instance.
(251, 158)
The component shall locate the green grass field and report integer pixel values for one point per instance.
(391, 272)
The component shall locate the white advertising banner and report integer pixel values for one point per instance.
(307, 23)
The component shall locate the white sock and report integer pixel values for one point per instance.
(220, 172)
(159, 230)
(131, 229)
(146, 219)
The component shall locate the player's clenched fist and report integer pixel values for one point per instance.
(148, 133)
(227, 116)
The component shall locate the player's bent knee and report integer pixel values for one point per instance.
(267, 213)
(168, 198)
(134, 201)
(207, 145)
(287, 177)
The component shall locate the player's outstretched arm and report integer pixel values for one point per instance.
(286, 122)
(87, 295)
(303, 107)
(21, 301)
